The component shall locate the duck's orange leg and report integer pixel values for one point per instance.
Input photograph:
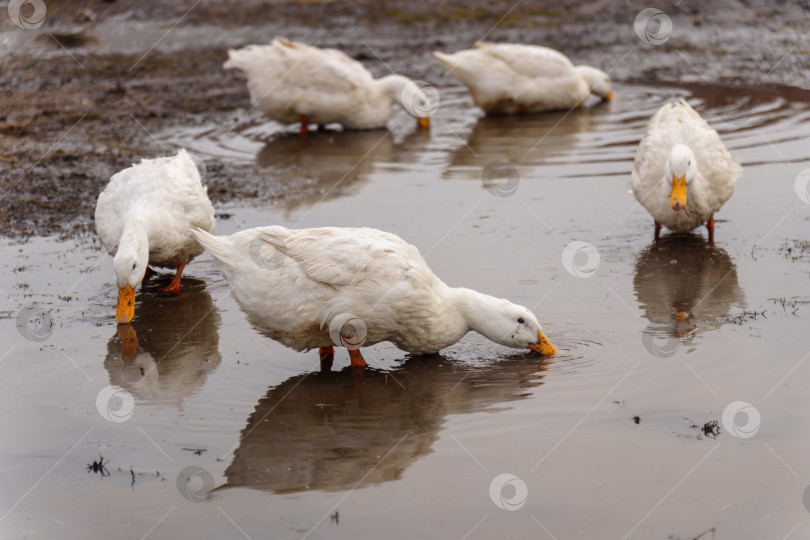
(304, 120)
(710, 226)
(149, 273)
(174, 286)
(657, 230)
(357, 358)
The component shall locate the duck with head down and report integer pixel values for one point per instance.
(683, 173)
(328, 286)
(513, 78)
(143, 217)
(292, 82)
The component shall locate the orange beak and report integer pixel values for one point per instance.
(677, 197)
(543, 345)
(609, 96)
(126, 304)
(424, 121)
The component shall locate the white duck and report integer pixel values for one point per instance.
(329, 286)
(507, 78)
(683, 173)
(143, 217)
(293, 82)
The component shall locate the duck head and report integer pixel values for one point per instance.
(411, 95)
(509, 324)
(129, 263)
(597, 80)
(680, 172)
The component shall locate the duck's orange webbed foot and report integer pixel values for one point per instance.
(174, 286)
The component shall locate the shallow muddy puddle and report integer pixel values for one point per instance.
(229, 434)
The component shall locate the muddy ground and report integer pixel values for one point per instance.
(82, 97)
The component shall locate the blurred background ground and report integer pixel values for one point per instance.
(84, 94)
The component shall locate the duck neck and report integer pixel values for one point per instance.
(474, 308)
(132, 246)
(393, 86)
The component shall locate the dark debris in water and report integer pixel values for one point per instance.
(710, 429)
(99, 467)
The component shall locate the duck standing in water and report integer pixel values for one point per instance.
(683, 173)
(316, 288)
(144, 216)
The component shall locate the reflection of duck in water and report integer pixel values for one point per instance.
(334, 431)
(687, 284)
(524, 140)
(167, 352)
(336, 164)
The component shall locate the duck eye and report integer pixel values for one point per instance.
(521, 321)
